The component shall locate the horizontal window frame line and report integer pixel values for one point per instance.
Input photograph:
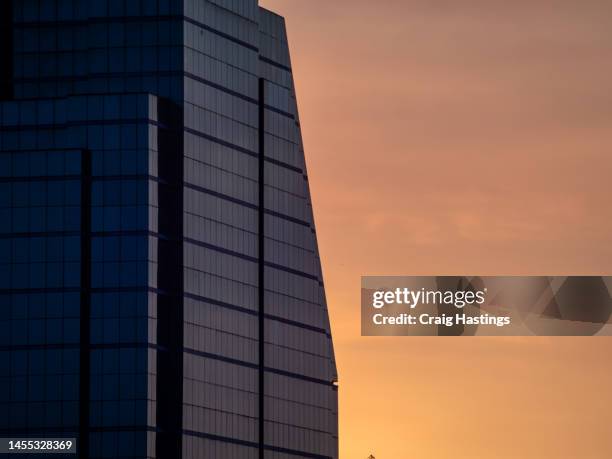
(251, 259)
(40, 178)
(280, 111)
(297, 426)
(126, 345)
(244, 150)
(36, 149)
(236, 94)
(76, 346)
(253, 445)
(283, 164)
(290, 374)
(39, 347)
(294, 246)
(214, 139)
(221, 304)
(136, 121)
(140, 288)
(295, 272)
(17, 291)
(255, 313)
(216, 248)
(120, 233)
(267, 60)
(273, 213)
(38, 234)
(255, 366)
(229, 37)
(234, 335)
(243, 203)
(152, 73)
(297, 324)
(95, 178)
(203, 163)
(287, 192)
(216, 194)
(83, 123)
(40, 432)
(124, 428)
(296, 349)
(231, 92)
(220, 358)
(139, 19)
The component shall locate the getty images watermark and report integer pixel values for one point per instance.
(485, 305)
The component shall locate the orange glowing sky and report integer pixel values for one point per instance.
(455, 137)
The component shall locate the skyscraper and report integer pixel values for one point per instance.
(161, 292)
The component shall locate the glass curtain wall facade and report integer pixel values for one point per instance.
(161, 293)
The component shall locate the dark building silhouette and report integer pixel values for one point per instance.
(160, 285)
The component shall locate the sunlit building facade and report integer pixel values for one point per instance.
(161, 293)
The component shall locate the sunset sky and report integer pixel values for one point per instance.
(452, 137)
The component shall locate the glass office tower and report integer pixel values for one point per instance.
(161, 292)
